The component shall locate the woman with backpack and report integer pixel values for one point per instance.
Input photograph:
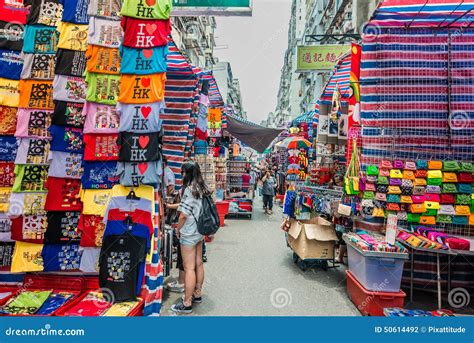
(194, 190)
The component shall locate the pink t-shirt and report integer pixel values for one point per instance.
(101, 118)
(33, 123)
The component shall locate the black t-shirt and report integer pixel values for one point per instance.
(11, 36)
(121, 256)
(48, 10)
(70, 62)
(62, 227)
(68, 114)
(139, 147)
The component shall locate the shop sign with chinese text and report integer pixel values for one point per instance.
(319, 57)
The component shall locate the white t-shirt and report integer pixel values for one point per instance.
(170, 179)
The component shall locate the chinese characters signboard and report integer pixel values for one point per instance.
(319, 57)
(212, 7)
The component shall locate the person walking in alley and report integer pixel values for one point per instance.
(194, 189)
(268, 191)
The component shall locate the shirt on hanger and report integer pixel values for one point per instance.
(103, 88)
(38, 66)
(69, 88)
(123, 203)
(154, 9)
(29, 229)
(27, 258)
(65, 165)
(33, 151)
(144, 61)
(27, 204)
(7, 176)
(60, 257)
(36, 94)
(8, 148)
(9, 94)
(137, 173)
(105, 32)
(95, 201)
(101, 118)
(92, 230)
(40, 39)
(11, 64)
(62, 228)
(8, 120)
(30, 178)
(142, 191)
(139, 33)
(135, 89)
(45, 12)
(72, 36)
(137, 216)
(11, 36)
(141, 118)
(63, 194)
(70, 62)
(101, 59)
(75, 11)
(68, 114)
(99, 175)
(143, 147)
(90, 260)
(101, 147)
(105, 8)
(66, 139)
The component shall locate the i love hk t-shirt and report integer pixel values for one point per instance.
(136, 89)
(101, 147)
(139, 33)
(11, 64)
(147, 9)
(101, 118)
(139, 173)
(72, 36)
(144, 61)
(103, 88)
(35, 94)
(38, 66)
(140, 118)
(101, 59)
(39, 39)
(135, 147)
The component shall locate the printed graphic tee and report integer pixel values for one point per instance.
(101, 147)
(99, 175)
(60, 257)
(105, 32)
(69, 88)
(138, 173)
(36, 94)
(139, 33)
(95, 201)
(39, 39)
(44, 12)
(11, 36)
(11, 64)
(103, 88)
(139, 147)
(101, 118)
(29, 228)
(8, 120)
(141, 118)
(68, 114)
(63, 195)
(27, 258)
(72, 36)
(147, 9)
(9, 94)
(27, 204)
(33, 123)
(92, 230)
(33, 151)
(65, 165)
(101, 59)
(8, 148)
(70, 62)
(105, 8)
(144, 61)
(75, 11)
(38, 66)
(62, 227)
(7, 176)
(30, 178)
(66, 139)
(137, 89)
(14, 9)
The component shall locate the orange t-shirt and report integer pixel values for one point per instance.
(214, 114)
(101, 59)
(36, 94)
(142, 89)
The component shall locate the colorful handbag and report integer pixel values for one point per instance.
(352, 181)
(467, 167)
(382, 180)
(396, 174)
(443, 218)
(386, 164)
(368, 195)
(419, 182)
(406, 199)
(430, 212)
(457, 243)
(447, 199)
(451, 166)
(406, 190)
(372, 170)
(414, 241)
(462, 210)
(463, 199)
(393, 198)
(372, 178)
(395, 182)
(435, 165)
(407, 183)
(433, 189)
(431, 205)
(367, 203)
(423, 174)
(447, 209)
(419, 190)
(402, 215)
(465, 188)
(417, 208)
(410, 165)
(382, 188)
(398, 164)
(432, 197)
(381, 196)
(394, 190)
(471, 219)
(450, 177)
(384, 172)
(460, 220)
(418, 199)
(435, 182)
(449, 188)
(393, 207)
(409, 174)
(465, 177)
(421, 164)
(435, 174)
(429, 220)
(378, 212)
(370, 187)
(413, 217)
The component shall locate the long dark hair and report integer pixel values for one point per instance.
(192, 178)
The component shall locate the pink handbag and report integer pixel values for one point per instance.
(418, 199)
(432, 197)
(458, 243)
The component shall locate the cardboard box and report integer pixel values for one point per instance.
(312, 239)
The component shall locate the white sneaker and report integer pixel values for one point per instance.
(175, 287)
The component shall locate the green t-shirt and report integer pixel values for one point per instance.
(147, 9)
(27, 302)
(30, 178)
(102, 88)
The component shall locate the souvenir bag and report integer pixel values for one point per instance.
(396, 174)
(467, 167)
(465, 188)
(419, 190)
(407, 190)
(447, 199)
(462, 210)
(351, 179)
(436, 182)
(378, 212)
(429, 220)
(421, 173)
(449, 188)
(432, 197)
(431, 205)
(394, 190)
(386, 164)
(450, 177)
(369, 187)
(372, 170)
(417, 208)
(430, 213)
(413, 217)
(395, 182)
(435, 165)
(406, 199)
(451, 166)
(382, 180)
(457, 243)
(384, 172)
(394, 198)
(418, 199)
(409, 175)
(410, 165)
(433, 189)
(460, 220)
(465, 177)
(393, 207)
(372, 178)
(419, 182)
(402, 215)
(414, 241)
(421, 164)
(447, 210)
(445, 219)
(368, 195)
(435, 174)
(471, 219)
(398, 164)
(382, 188)
(463, 199)
(381, 196)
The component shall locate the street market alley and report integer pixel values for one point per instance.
(250, 272)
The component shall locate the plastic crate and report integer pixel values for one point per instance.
(372, 303)
(8, 288)
(381, 273)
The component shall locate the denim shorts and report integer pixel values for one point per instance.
(191, 240)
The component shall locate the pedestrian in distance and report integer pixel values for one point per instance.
(268, 190)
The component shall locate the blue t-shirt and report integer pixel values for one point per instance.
(67, 139)
(100, 175)
(75, 11)
(38, 39)
(8, 148)
(143, 61)
(11, 64)
(59, 257)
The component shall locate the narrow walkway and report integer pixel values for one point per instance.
(250, 272)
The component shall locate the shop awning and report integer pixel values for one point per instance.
(306, 117)
(255, 136)
(340, 79)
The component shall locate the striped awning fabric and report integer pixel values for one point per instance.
(340, 79)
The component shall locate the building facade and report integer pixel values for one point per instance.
(229, 87)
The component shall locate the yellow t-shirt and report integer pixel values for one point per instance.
(72, 36)
(9, 94)
(5, 193)
(142, 191)
(95, 201)
(142, 89)
(214, 114)
(121, 309)
(27, 258)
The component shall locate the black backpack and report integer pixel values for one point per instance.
(208, 222)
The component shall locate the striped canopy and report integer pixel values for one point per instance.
(306, 117)
(340, 79)
(422, 13)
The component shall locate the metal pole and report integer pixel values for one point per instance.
(412, 274)
(439, 281)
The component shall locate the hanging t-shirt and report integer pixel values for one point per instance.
(101, 147)
(8, 120)
(92, 230)
(141, 118)
(65, 165)
(66, 139)
(60, 257)
(6, 253)
(101, 59)
(63, 195)
(90, 260)
(101, 118)
(70, 62)
(38, 66)
(33, 123)
(8, 148)
(147, 9)
(95, 201)
(68, 114)
(144, 61)
(40, 39)
(139, 33)
(135, 89)
(7, 176)
(62, 228)
(69, 88)
(29, 229)
(9, 94)
(99, 175)
(14, 9)
(72, 36)
(5, 193)
(11, 64)
(30, 178)
(138, 173)
(33, 151)
(27, 258)
(35, 94)
(105, 32)
(45, 12)
(27, 204)
(121, 259)
(137, 216)
(75, 11)
(143, 147)
(11, 36)
(103, 88)
(105, 8)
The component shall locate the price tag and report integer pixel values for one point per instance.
(391, 229)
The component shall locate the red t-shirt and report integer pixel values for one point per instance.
(201, 135)
(13, 13)
(29, 229)
(139, 33)
(101, 147)
(92, 230)
(63, 194)
(138, 216)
